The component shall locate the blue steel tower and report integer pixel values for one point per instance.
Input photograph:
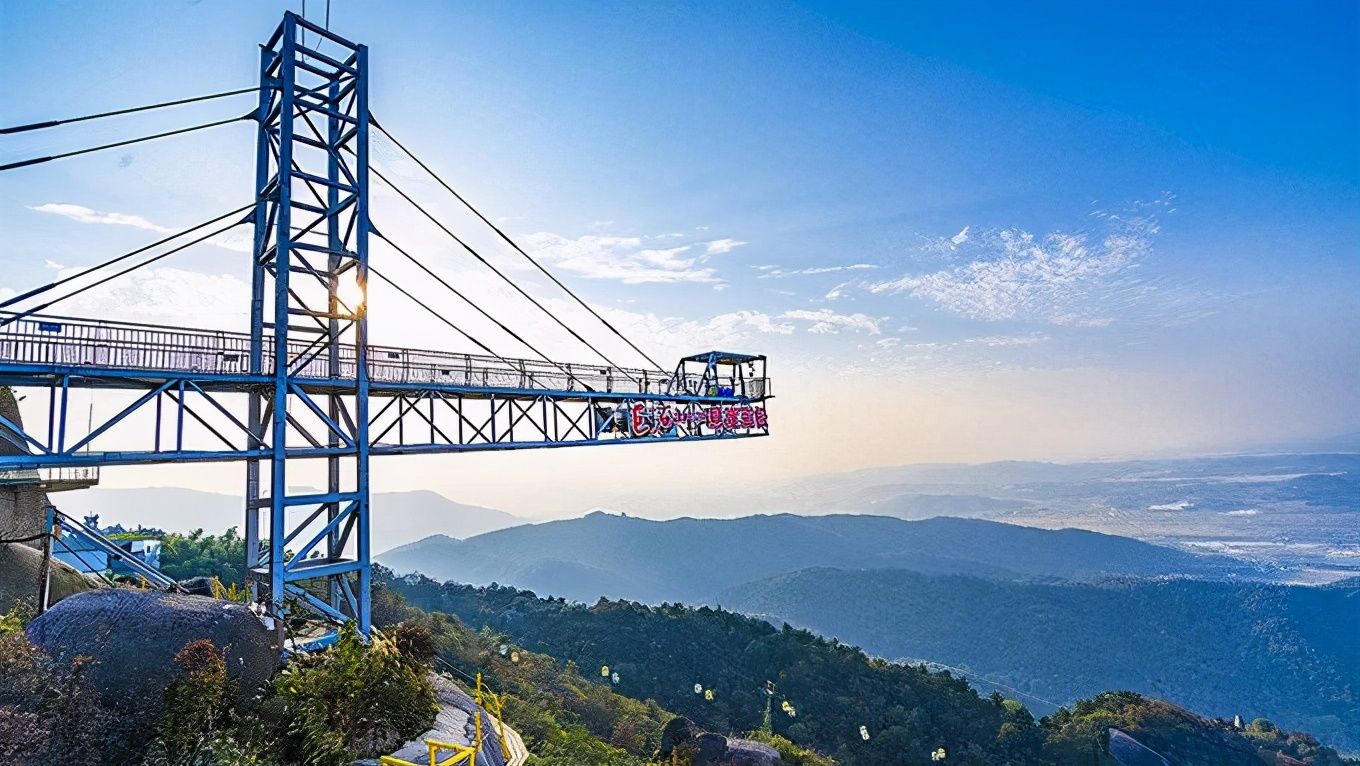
(308, 319)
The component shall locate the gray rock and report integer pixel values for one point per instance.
(1127, 751)
(683, 739)
(746, 752)
(134, 635)
(455, 723)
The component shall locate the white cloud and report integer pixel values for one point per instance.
(999, 341)
(238, 239)
(672, 337)
(774, 272)
(86, 215)
(720, 246)
(619, 258)
(826, 321)
(628, 260)
(165, 295)
(1061, 278)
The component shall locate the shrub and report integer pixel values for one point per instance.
(790, 753)
(200, 726)
(48, 712)
(17, 618)
(351, 700)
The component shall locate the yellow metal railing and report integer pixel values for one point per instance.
(483, 696)
(462, 754)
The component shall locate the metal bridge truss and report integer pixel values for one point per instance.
(304, 388)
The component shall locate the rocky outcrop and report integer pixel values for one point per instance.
(20, 569)
(455, 723)
(683, 742)
(134, 635)
(1127, 751)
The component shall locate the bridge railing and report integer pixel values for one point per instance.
(65, 474)
(71, 342)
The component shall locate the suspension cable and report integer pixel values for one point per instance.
(54, 123)
(513, 244)
(437, 315)
(123, 257)
(64, 155)
(503, 277)
(28, 312)
(470, 302)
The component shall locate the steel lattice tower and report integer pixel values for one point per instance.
(310, 245)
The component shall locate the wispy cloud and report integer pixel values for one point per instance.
(720, 246)
(774, 272)
(673, 336)
(629, 259)
(238, 239)
(623, 259)
(87, 215)
(826, 321)
(1063, 278)
(164, 295)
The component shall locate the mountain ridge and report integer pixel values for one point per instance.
(692, 560)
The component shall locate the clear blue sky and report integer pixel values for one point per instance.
(1007, 229)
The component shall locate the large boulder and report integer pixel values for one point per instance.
(134, 635)
(455, 722)
(20, 570)
(1127, 751)
(682, 741)
(746, 752)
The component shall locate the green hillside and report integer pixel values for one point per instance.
(1290, 654)
(661, 652)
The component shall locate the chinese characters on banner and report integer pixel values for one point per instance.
(650, 419)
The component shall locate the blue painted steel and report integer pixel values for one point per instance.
(302, 86)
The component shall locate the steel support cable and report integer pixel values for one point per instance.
(123, 257)
(114, 145)
(570, 375)
(28, 312)
(504, 278)
(438, 316)
(129, 110)
(85, 562)
(514, 245)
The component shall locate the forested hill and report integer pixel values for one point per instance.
(661, 653)
(1290, 654)
(692, 560)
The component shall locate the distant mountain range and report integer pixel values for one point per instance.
(693, 560)
(398, 516)
(1287, 653)
(1053, 614)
